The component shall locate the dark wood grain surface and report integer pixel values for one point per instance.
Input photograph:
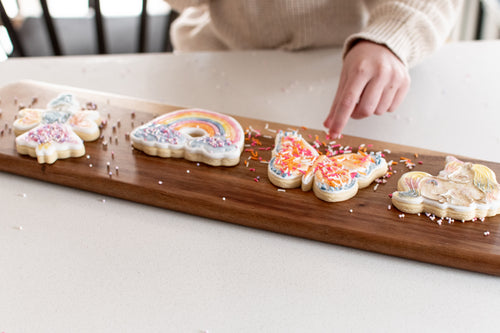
(243, 194)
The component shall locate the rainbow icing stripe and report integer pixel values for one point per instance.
(195, 134)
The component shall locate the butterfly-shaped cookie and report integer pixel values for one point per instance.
(295, 163)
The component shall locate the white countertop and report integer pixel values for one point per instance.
(73, 261)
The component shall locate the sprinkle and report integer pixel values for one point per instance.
(223, 198)
(160, 182)
(91, 106)
(187, 171)
(376, 186)
(23, 195)
(486, 233)
(401, 216)
(113, 155)
(20, 227)
(116, 169)
(281, 190)
(350, 211)
(88, 156)
(91, 165)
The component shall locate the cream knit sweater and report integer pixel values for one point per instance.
(412, 29)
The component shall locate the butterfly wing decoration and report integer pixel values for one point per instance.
(336, 178)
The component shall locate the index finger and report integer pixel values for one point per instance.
(345, 103)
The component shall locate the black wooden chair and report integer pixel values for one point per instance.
(99, 35)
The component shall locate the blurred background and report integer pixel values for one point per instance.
(78, 27)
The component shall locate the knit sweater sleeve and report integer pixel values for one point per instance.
(411, 29)
(180, 5)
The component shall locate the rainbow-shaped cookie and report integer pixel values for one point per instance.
(194, 134)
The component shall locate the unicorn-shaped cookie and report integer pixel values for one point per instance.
(462, 191)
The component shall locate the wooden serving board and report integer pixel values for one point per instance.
(243, 194)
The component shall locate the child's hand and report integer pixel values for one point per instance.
(373, 81)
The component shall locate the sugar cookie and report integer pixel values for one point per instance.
(57, 131)
(462, 191)
(336, 178)
(194, 134)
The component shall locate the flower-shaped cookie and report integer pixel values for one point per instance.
(57, 131)
(337, 178)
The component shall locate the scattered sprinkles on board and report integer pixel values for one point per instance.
(259, 143)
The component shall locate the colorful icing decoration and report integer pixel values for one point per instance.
(462, 191)
(48, 142)
(196, 135)
(64, 109)
(50, 133)
(64, 102)
(336, 178)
